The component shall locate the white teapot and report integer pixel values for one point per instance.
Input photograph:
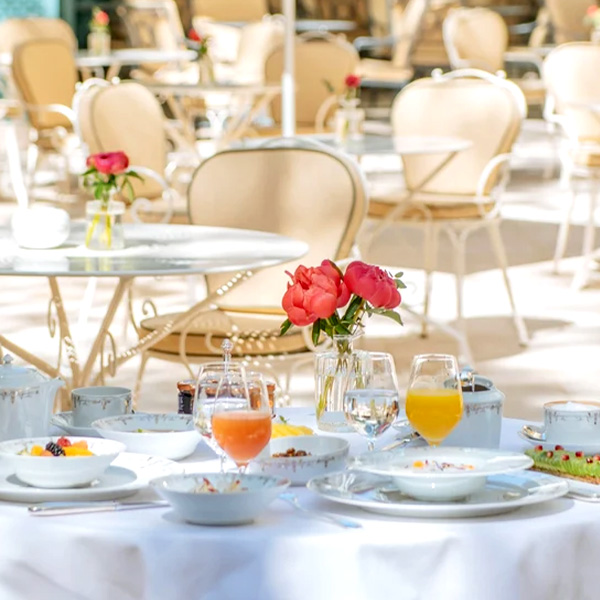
(26, 400)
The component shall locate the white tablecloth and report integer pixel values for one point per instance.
(547, 552)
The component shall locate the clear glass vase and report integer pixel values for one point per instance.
(206, 72)
(104, 225)
(98, 42)
(336, 371)
(349, 119)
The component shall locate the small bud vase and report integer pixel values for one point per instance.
(349, 119)
(98, 42)
(104, 230)
(336, 371)
(595, 35)
(206, 74)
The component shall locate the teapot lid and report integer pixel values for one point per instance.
(14, 377)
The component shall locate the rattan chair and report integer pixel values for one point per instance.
(477, 38)
(571, 75)
(270, 189)
(322, 62)
(462, 195)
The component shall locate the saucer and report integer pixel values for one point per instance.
(64, 421)
(541, 441)
(128, 474)
(501, 494)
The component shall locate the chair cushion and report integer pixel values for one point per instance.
(436, 206)
(253, 334)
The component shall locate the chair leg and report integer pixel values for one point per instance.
(500, 252)
(583, 273)
(138, 380)
(563, 231)
(458, 239)
(430, 252)
(33, 158)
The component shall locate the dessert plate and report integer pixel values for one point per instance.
(128, 474)
(501, 494)
(534, 434)
(441, 474)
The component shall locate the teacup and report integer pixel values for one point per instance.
(92, 403)
(572, 422)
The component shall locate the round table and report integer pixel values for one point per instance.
(543, 552)
(151, 250)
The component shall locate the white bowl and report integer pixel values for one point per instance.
(170, 435)
(58, 472)
(227, 508)
(327, 455)
(434, 482)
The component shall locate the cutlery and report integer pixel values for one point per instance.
(50, 509)
(341, 521)
(533, 434)
(584, 497)
(403, 441)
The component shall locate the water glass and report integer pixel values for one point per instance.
(372, 404)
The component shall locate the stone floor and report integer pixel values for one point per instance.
(562, 359)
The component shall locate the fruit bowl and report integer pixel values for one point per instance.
(58, 471)
(325, 454)
(219, 498)
(169, 435)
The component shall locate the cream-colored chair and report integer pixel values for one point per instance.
(128, 117)
(461, 195)
(45, 76)
(477, 38)
(406, 26)
(567, 18)
(571, 76)
(16, 31)
(321, 64)
(236, 11)
(273, 190)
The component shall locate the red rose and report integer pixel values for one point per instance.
(352, 81)
(314, 294)
(373, 284)
(193, 35)
(101, 18)
(109, 163)
(591, 10)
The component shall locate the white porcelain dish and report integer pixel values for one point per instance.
(535, 434)
(58, 472)
(328, 454)
(64, 421)
(445, 473)
(127, 475)
(170, 435)
(377, 494)
(255, 493)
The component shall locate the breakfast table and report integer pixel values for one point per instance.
(151, 250)
(542, 552)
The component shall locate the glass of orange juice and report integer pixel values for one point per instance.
(434, 396)
(241, 419)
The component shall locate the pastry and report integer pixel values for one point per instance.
(560, 462)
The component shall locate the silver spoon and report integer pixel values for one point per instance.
(292, 499)
(403, 441)
(534, 434)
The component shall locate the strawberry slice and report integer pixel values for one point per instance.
(63, 442)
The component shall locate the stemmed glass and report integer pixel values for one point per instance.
(434, 397)
(241, 419)
(372, 406)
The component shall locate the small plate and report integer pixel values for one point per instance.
(541, 441)
(501, 494)
(64, 421)
(443, 473)
(127, 475)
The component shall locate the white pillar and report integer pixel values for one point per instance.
(288, 85)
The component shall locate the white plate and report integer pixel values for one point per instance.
(501, 494)
(585, 448)
(64, 421)
(127, 475)
(438, 482)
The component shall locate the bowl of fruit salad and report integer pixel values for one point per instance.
(59, 462)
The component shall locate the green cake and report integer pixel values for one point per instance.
(561, 462)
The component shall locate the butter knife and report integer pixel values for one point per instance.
(49, 509)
